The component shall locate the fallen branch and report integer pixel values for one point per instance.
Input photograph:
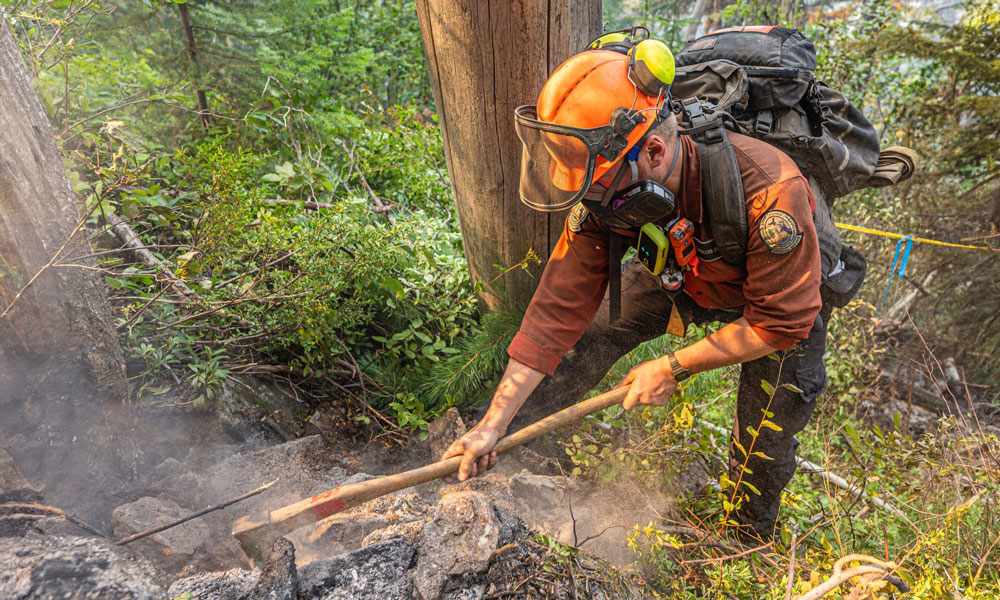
(877, 567)
(836, 480)
(194, 515)
(131, 241)
(307, 204)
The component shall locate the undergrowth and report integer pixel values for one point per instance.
(942, 481)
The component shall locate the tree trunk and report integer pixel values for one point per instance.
(192, 53)
(59, 353)
(485, 59)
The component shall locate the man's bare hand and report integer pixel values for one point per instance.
(652, 384)
(476, 450)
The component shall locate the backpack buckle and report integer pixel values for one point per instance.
(765, 120)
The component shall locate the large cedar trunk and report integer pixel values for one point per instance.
(61, 366)
(487, 57)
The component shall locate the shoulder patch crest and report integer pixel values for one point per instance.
(576, 217)
(779, 231)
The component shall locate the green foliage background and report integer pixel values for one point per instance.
(267, 206)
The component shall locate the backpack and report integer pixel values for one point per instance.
(760, 81)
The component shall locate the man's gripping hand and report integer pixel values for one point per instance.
(652, 383)
(476, 450)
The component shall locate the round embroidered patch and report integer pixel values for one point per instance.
(576, 217)
(779, 231)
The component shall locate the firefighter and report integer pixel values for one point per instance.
(603, 138)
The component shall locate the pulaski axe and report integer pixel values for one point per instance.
(256, 533)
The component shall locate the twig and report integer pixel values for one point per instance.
(791, 571)
(57, 512)
(379, 205)
(569, 502)
(51, 261)
(501, 550)
(195, 515)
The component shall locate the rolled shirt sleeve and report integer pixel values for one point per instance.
(567, 298)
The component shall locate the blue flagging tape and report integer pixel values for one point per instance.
(902, 246)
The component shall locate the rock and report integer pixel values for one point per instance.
(259, 412)
(408, 532)
(174, 548)
(234, 584)
(444, 430)
(378, 572)
(302, 467)
(457, 541)
(169, 469)
(56, 568)
(540, 493)
(494, 486)
(278, 578)
(336, 534)
(344, 531)
(13, 486)
(474, 591)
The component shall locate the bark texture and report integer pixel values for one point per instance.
(486, 58)
(61, 365)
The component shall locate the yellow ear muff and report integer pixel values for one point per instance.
(652, 66)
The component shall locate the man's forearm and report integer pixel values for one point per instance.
(517, 383)
(735, 343)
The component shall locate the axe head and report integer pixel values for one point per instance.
(256, 535)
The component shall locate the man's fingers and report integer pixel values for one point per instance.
(630, 398)
(467, 465)
(493, 460)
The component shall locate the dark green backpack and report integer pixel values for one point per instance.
(760, 81)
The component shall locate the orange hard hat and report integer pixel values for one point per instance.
(583, 93)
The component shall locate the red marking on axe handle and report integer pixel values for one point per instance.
(328, 508)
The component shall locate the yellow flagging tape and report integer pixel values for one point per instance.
(900, 236)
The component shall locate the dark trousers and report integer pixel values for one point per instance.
(645, 313)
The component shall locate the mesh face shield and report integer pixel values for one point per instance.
(558, 162)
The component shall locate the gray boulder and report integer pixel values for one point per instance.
(37, 567)
(378, 572)
(234, 584)
(458, 541)
(344, 531)
(278, 579)
(302, 467)
(13, 486)
(173, 549)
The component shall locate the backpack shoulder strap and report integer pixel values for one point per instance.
(721, 185)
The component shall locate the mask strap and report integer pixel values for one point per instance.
(614, 185)
(673, 163)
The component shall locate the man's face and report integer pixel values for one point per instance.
(599, 187)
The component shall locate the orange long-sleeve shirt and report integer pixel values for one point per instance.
(778, 286)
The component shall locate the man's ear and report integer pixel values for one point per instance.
(655, 152)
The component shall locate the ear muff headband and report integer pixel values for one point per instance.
(650, 62)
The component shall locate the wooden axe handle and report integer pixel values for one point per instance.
(258, 531)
